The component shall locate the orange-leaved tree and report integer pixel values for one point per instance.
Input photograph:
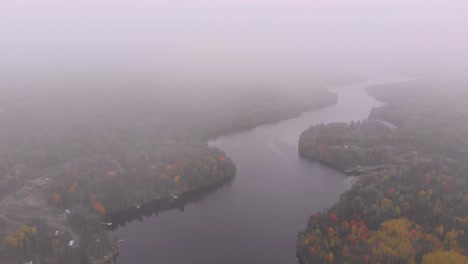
(56, 198)
(99, 208)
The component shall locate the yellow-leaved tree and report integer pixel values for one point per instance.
(394, 241)
(444, 257)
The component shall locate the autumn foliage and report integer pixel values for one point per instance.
(15, 239)
(99, 208)
(448, 257)
(372, 225)
(140, 177)
(410, 208)
(72, 187)
(55, 198)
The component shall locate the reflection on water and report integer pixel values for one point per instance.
(153, 209)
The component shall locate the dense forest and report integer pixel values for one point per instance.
(346, 146)
(38, 242)
(139, 177)
(397, 216)
(435, 120)
(70, 159)
(43, 132)
(412, 207)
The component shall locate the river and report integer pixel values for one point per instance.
(256, 217)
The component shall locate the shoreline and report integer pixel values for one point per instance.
(293, 114)
(163, 204)
(237, 129)
(300, 257)
(155, 206)
(328, 164)
(347, 172)
(231, 131)
(168, 203)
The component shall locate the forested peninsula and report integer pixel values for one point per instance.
(410, 204)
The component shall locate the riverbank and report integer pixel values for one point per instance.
(153, 207)
(327, 163)
(108, 257)
(162, 204)
(348, 172)
(416, 205)
(353, 148)
(82, 194)
(167, 203)
(252, 204)
(412, 211)
(331, 99)
(70, 190)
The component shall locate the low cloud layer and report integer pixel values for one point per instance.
(199, 42)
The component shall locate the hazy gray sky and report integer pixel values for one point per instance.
(214, 39)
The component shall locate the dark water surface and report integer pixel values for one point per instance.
(256, 217)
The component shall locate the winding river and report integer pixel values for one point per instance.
(256, 217)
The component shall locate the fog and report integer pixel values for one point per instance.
(229, 124)
(230, 44)
(231, 57)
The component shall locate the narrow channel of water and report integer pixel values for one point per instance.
(256, 217)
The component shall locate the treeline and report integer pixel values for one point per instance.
(93, 187)
(35, 241)
(39, 241)
(407, 215)
(41, 133)
(156, 171)
(114, 149)
(346, 146)
(414, 210)
(432, 113)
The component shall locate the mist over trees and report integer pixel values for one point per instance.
(106, 106)
(410, 205)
